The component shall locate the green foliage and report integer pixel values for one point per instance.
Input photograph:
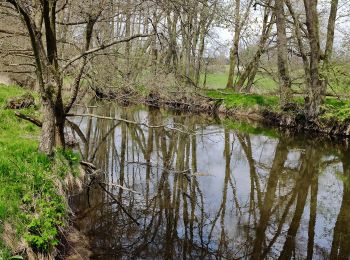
(66, 161)
(42, 228)
(335, 109)
(29, 198)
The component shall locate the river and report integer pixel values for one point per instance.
(196, 187)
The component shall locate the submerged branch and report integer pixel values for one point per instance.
(121, 187)
(119, 204)
(129, 122)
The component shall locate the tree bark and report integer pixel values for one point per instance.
(235, 47)
(254, 63)
(47, 138)
(283, 68)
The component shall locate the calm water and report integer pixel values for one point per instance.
(200, 190)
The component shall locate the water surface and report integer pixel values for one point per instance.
(192, 187)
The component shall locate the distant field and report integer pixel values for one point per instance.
(265, 84)
(218, 80)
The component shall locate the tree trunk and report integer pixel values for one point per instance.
(234, 50)
(254, 63)
(47, 139)
(60, 119)
(283, 68)
(314, 100)
(200, 53)
(251, 78)
(128, 43)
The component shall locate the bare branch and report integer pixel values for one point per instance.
(33, 120)
(104, 47)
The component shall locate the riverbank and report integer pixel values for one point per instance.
(334, 119)
(34, 187)
(34, 213)
(190, 170)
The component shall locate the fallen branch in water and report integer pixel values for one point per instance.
(121, 187)
(187, 171)
(119, 204)
(129, 122)
(91, 170)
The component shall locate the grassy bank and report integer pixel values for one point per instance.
(333, 108)
(32, 202)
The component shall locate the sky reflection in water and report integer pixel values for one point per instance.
(218, 193)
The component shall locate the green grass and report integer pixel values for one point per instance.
(29, 200)
(234, 100)
(218, 80)
(339, 83)
(336, 109)
(332, 109)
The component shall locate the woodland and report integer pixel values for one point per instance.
(280, 63)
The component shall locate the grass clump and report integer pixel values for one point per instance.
(30, 202)
(336, 109)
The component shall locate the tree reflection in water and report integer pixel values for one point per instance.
(218, 193)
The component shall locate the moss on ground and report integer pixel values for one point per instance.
(30, 202)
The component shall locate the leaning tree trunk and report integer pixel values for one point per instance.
(267, 25)
(235, 47)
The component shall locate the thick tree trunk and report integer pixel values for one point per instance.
(251, 78)
(47, 139)
(316, 87)
(231, 71)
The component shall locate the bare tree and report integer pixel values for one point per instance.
(40, 21)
